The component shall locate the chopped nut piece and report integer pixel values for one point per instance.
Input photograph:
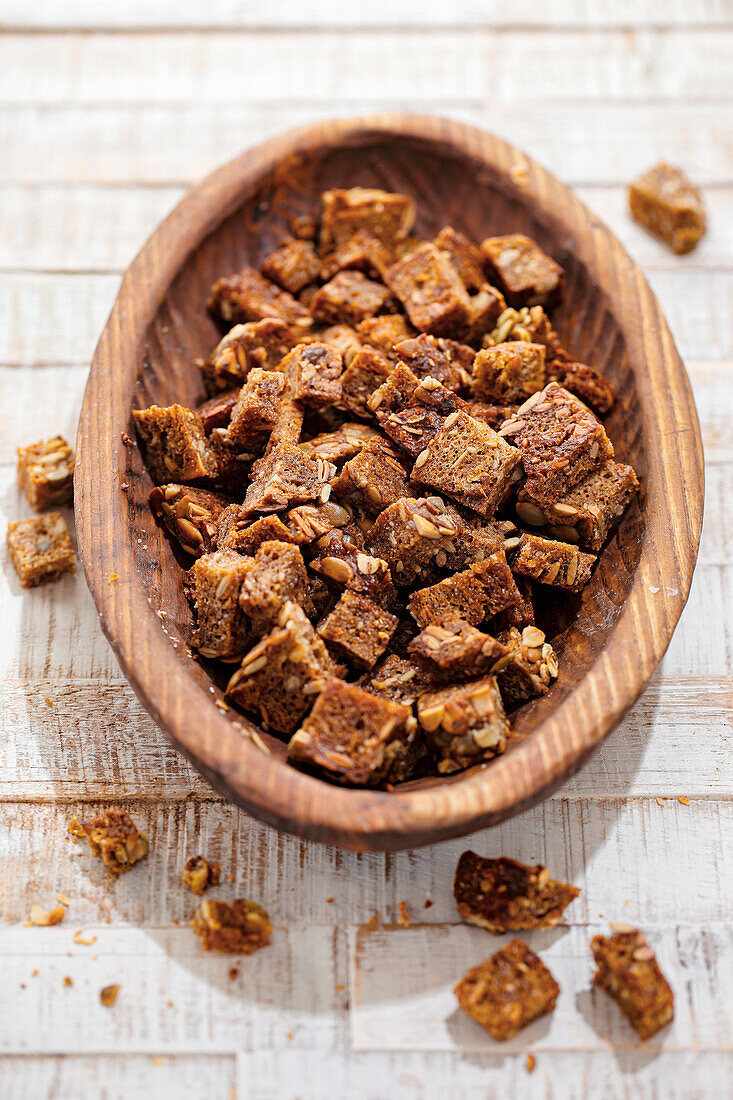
(189, 514)
(358, 629)
(628, 971)
(342, 444)
(40, 549)
(508, 991)
(198, 875)
(531, 667)
(387, 216)
(280, 676)
(431, 291)
(113, 838)
(665, 202)
(465, 724)
(469, 462)
(237, 929)
(560, 442)
(509, 373)
(45, 919)
(503, 895)
(555, 563)
(403, 919)
(108, 995)
(175, 446)
(292, 266)
(525, 274)
(46, 473)
(356, 737)
(248, 296)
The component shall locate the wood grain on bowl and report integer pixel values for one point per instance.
(609, 639)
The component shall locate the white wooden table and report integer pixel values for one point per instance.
(107, 113)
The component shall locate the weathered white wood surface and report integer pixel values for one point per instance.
(107, 113)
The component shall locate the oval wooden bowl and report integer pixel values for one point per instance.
(609, 641)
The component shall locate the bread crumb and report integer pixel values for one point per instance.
(62, 899)
(45, 919)
(80, 938)
(684, 800)
(340, 987)
(113, 577)
(428, 904)
(661, 801)
(68, 981)
(49, 702)
(373, 922)
(530, 1062)
(108, 995)
(403, 919)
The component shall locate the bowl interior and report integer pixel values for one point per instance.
(450, 187)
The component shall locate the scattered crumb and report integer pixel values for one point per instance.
(684, 800)
(198, 875)
(62, 899)
(239, 928)
(374, 922)
(661, 801)
(158, 1061)
(80, 938)
(114, 838)
(113, 577)
(530, 1062)
(34, 974)
(329, 901)
(108, 995)
(290, 1035)
(67, 981)
(161, 614)
(403, 919)
(43, 918)
(170, 1004)
(428, 904)
(340, 987)
(49, 702)
(620, 926)
(233, 973)
(126, 439)
(124, 486)
(230, 878)
(221, 704)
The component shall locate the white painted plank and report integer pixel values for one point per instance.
(558, 1075)
(174, 998)
(118, 1077)
(172, 146)
(402, 991)
(61, 229)
(360, 14)
(74, 308)
(324, 67)
(633, 859)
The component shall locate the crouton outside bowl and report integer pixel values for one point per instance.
(609, 640)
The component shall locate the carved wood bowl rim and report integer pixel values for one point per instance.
(175, 691)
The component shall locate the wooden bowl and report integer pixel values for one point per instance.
(609, 640)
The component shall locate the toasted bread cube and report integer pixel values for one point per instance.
(316, 369)
(348, 298)
(431, 291)
(343, 443)
(508, 373)
(385, 333)
(585, 382)
(560, 442)
(432, 356)
(279, 678)
(508, 991)
(365, 374)
(237, 929)
(248, 296)
(258, 406)
(175, 446)
(113, 838)
(363, 252)
(344, 564)
(469, 462)
(452, 649)
(522, 271)
(274, 577)
(550, 562)
(40, 549)
(503, 895)
(215, 581)
(465, 724)
(260, 344)
(520, 614)
(286, 477)
(46, 473)
(358, 629)
(217, 411)
(412, 411)
(292, 266)
(466, 258)
(191, 515)
(493, 415)
(236, 530)
(475, 542)
(587, 512)
(344, 339)
(665, 202)
(355, 737)
(474, 594)
(397, 679)
(387, 216)
(409, 535)
(374, 479)
(531, 668)
(629, 972)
